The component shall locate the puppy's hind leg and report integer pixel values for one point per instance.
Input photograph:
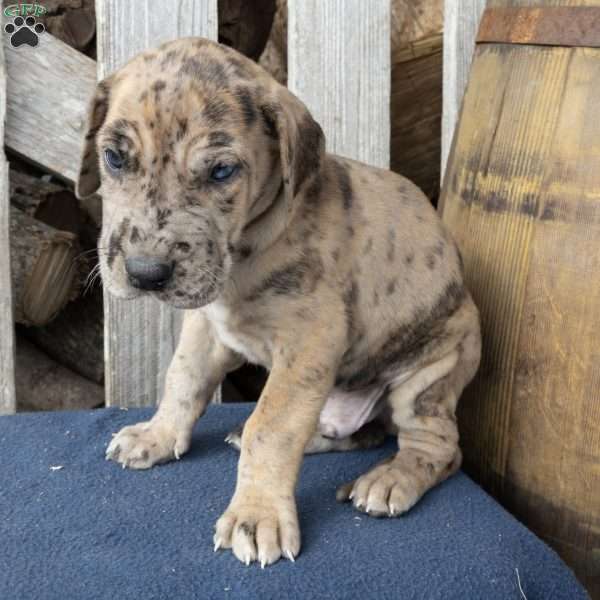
(423, 411)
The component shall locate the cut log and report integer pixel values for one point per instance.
(245, 26)
(75, 338)
(75, 26)
(28, 192)
(43, 384)
(44, 263)
(53, 204)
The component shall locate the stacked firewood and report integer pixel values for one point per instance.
(58, 302)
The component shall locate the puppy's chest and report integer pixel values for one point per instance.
(245, 335)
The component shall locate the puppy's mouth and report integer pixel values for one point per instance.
(190, 298)
(179, 284)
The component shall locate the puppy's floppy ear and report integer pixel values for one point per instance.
(88, 180)
(301, 139)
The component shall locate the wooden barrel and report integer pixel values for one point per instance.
(522, 198)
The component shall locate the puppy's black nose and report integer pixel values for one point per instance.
(148, 272)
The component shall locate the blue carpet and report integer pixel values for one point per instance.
(92, 530)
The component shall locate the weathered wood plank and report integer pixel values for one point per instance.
(48, 88)
(339, 65)
(140, 335)
(7, 338)
(461, 20)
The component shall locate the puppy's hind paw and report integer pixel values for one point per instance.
(234, 438)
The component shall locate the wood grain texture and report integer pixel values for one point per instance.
(522, 198)
(461, 20)
(48, 90)
(45, 268)
(141, 335)
(416, 108)
(339, 65)
(43, 384)
(7, 336)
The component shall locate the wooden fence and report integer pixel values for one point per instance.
(339, 64)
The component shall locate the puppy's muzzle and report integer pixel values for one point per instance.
(148, 273)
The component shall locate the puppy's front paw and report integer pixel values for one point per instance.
(259, 528)
(146, 444)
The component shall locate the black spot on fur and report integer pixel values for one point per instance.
(168, 58)
(207, 69)
(350, 299)
(135, 237)
(226, 204)
(345, 184)
(247, 106)
(115, 242)
(162, 217)
(182, 127)
(245, 252)
(158, 86)
(219, 138)
(409, 259)
(214, 111)
(430, 261)
(368, 246)
(309, 147)
(429, 403)
(391, 249)
(300, 276)
(313, 192)
(407, 343)
(151, 194)
(391, 287)
(269, 114)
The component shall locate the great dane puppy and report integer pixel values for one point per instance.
(337, 277)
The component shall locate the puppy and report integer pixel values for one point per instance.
(337, 277)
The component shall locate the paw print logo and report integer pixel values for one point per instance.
(24, 31)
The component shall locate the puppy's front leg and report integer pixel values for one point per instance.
(199, 365)
(261, 522)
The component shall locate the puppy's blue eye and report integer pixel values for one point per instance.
(222, 172)
(113, 160)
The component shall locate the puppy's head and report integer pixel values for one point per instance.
(190, 143)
